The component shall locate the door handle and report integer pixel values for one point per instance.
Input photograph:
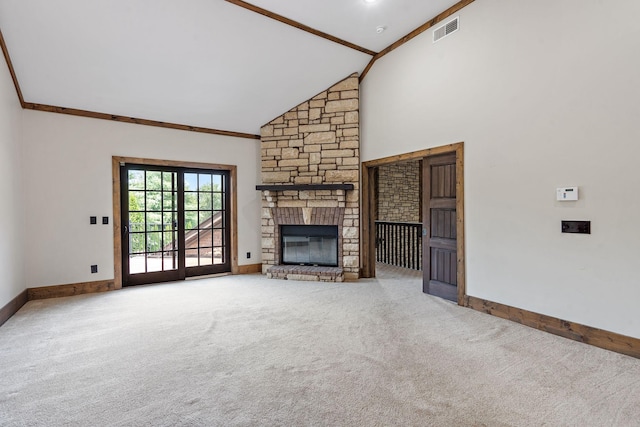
(125, 230)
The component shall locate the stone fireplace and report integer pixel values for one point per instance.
(310, 177)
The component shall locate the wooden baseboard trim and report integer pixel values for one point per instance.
(250, 269)
(13, 306)
(58, 291)
(574, 331)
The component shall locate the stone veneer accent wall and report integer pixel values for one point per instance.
(399, 192)
(317, 142)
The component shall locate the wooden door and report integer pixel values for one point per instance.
(439, 259)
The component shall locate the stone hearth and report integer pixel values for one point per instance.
(305, 272)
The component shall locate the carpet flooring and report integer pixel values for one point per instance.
(248, 351)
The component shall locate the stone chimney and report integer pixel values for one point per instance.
(311, 173)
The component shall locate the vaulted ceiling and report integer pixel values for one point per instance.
(214, 64)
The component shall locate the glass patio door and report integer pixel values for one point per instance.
(174, 223)
(206, 215)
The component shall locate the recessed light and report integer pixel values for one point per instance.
(380, 29)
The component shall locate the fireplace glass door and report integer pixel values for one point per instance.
(310, 244)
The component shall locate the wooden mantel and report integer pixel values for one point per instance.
(304, 187)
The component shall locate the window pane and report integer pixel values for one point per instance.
(137, 243)
(136, 222)
(218, 237)
(154, 262)
(191, 181)
(170, 261)
(154, 242)
(219, 219)
(167, 220)
(205, 256)
(190, 220)
(154, 181)
(169, 241)
(136, 201)
(154, 221)
(204, 238)
(169, 201)
(205, 200)
(136, 264)
(136, 180)
(191, 257)
(154, 201)
(217, 183)
(216, 201)
(203, 221)
(190, 201)
(218, 255)
(204, 181)
(169, 181)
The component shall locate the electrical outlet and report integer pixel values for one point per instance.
(93, 220)
(248, 255)
(105, 220)
(94, 269)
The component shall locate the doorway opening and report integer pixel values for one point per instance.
(434, 243)
(173, 220)
(398, 214)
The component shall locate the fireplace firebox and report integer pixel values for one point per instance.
(309, 245)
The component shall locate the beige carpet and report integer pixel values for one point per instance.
(247, 351)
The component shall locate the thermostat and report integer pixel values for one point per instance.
(567, 194)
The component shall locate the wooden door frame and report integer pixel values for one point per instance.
(117, 220)
(368, 249)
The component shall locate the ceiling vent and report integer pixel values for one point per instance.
(446, 29)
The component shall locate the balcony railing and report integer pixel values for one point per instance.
(399, 244)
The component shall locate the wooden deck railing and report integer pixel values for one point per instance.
(399, 244)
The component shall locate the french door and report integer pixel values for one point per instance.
(175, 223)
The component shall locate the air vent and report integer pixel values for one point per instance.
(446, 29)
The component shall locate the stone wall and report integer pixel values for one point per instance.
(316, 142)
(399, 199)
(399, 192)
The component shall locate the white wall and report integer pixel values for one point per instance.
(544, 93)
(11, 200)
(67, 176)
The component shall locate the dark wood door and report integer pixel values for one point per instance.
(439, 261)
